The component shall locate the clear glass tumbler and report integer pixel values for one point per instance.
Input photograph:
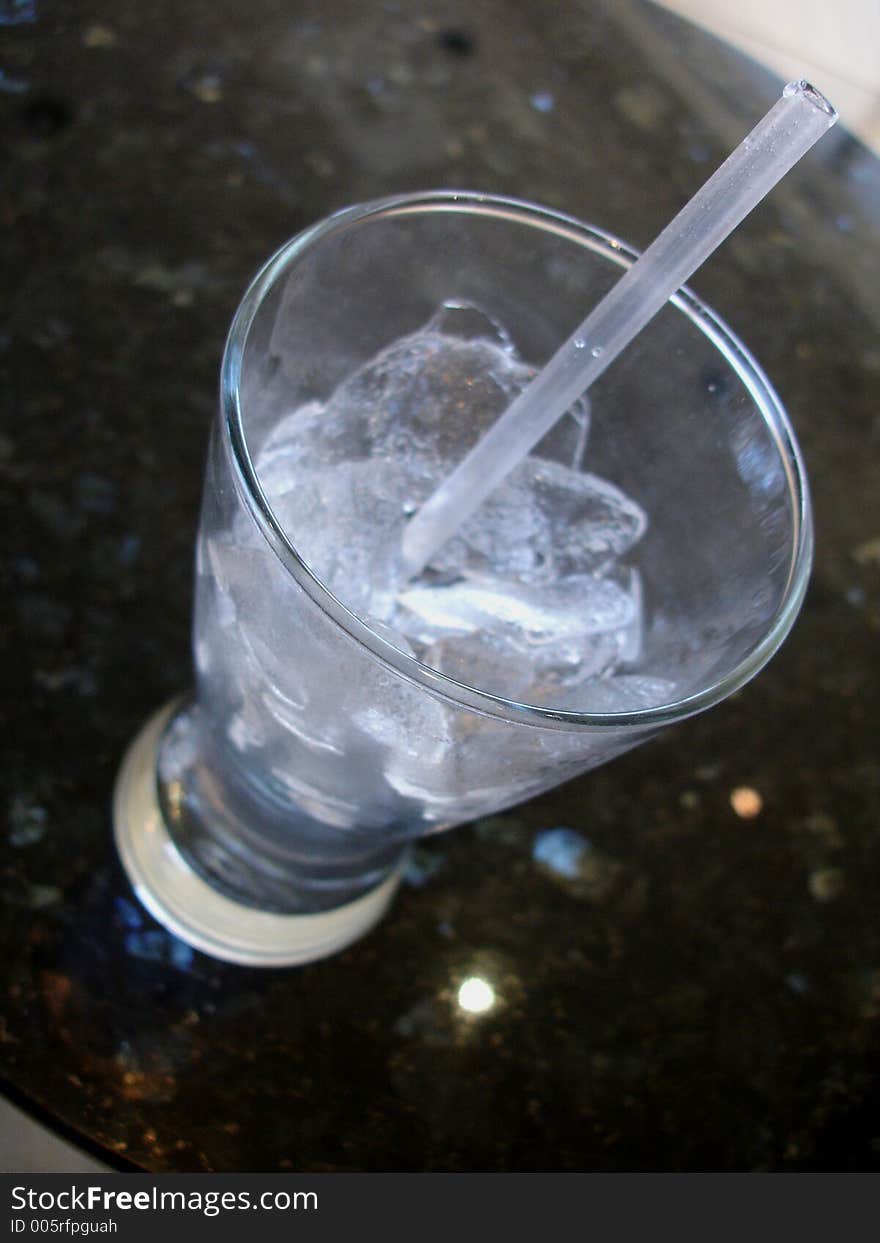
(264, 818)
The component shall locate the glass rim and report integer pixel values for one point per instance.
(409, 667)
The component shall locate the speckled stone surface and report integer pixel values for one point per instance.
(706, 994)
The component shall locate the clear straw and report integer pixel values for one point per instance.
(774, 146)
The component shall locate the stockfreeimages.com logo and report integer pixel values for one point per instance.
(96, 1199)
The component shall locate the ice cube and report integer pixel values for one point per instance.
(570, 608)
(430, 396)
(545, 522)
(590, 520)
(566, 441)
(625, 692)
(300, 441)
(502, 665)
(466, 320)
(237, 573)
(345, 521)
(489, 662)
(411, 733)
(562, 667)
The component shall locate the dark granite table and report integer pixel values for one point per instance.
(709, 996)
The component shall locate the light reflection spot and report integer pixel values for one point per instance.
(746, 802)
(476, 996)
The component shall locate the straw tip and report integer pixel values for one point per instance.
(808, 91)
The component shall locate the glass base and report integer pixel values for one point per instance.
(186, 905)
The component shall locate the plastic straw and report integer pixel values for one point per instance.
(774, 146)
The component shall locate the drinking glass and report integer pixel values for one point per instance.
(264, 817)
